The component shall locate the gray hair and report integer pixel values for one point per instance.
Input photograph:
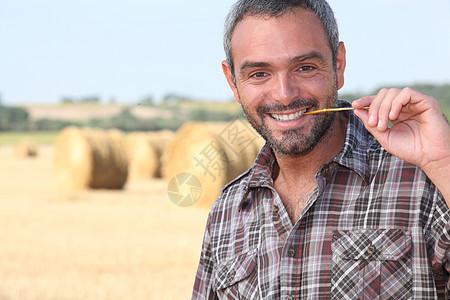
(277, 8)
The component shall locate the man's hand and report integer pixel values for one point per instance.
(420, 133)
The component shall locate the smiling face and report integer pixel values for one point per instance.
(284, 67)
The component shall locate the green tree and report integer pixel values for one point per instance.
(13, 118)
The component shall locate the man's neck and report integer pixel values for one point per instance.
(294, 176)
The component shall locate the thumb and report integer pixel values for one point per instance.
(363, 114)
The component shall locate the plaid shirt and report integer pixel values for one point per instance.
(375, 228)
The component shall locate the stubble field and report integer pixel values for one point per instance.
(129, 244)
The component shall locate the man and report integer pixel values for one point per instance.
(337, 205)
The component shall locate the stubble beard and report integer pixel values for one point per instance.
(294, 141)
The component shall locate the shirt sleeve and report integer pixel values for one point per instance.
(204, 278)
(440, 229)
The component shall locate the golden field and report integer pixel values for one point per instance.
(127, 244)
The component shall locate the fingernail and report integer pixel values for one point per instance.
(380, 124)
(372, 120)
(391, 114)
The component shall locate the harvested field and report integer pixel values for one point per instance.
(127, 244)
(88, 112)
(26, 149)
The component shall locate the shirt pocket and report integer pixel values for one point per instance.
(237, 277)
(372, 264)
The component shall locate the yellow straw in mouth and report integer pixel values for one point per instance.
(331, 109)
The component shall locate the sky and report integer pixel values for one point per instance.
(128, 50)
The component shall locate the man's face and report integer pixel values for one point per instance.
(283, 67)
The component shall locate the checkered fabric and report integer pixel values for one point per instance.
(375, 228)
(371, 264)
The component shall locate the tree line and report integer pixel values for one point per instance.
(18, 119)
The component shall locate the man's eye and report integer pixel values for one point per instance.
(258, 75)
(306, 68)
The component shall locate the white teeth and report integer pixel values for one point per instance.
(291, 117)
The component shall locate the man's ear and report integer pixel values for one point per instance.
(229, 76)
(340, 65)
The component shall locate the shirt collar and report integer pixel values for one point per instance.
(357, 140)
(261, 173)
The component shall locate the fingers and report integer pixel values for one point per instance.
(420, 133)
(384, 107)
(360, 104)
(361, 113)
(363, 102)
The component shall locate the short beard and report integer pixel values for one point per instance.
(294, 141)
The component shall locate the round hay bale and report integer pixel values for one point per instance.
(143, 159)
(161, 140)
(90, 159)
(26, 148)
(145, 153)
(213, 153)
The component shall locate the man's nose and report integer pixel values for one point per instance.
(285, 89)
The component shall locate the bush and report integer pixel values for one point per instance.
(13, 118)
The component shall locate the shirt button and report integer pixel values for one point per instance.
(371, 250)
(232, 275)
(275, 209)
(291, 252)
(289, 298)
